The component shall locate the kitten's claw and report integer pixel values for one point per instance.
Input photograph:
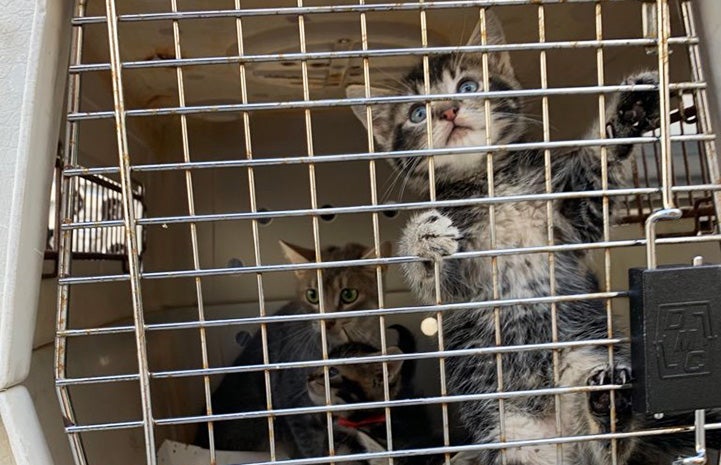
(430, 235)
(637, 111)
(600, 401)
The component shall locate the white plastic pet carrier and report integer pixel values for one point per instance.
(156, 152)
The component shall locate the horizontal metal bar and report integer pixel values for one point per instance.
(104, 427)
(184, 325)
(375, 53)
(390, 403)
(341, 361)
(346, 102)
(448, 449)
(309, 10)
(62, 382)
(365, 156)
(455, 203)
(368, 262)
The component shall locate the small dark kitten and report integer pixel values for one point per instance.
(462, 121)
(347, 288)
(363, 382)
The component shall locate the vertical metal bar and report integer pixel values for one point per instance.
(64, 203)
(492, 234)
(664, 31)
(316, 225)
(256, 235)
(376, 228)
(131, 242)
(668, 211)
(193, 227)
(429, 121)
(700, 415)
(600, 81)
(699, 422)
(548, 175)
(702, 106)
(432, 197)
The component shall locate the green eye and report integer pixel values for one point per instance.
(311, 296)
(348, 296)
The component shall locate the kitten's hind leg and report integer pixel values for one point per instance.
(633, 113)
(590, 412)
(430, 235)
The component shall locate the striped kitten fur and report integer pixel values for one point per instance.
(411, 425)
(434, 234)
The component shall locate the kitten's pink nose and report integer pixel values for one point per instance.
(449, 114)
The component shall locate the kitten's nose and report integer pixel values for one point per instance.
(449, 114)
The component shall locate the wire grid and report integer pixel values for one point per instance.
(661, 178)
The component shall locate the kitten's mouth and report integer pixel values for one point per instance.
(456, 132)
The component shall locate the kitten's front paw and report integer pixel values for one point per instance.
(600, 401)
(637, 112)
(430, 235)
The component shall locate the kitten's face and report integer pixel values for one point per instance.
(344, 289)
(459, 121)
(351, 384)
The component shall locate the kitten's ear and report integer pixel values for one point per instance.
(297, 254)
(386, 251)
(394, 367)
(499, 62)
(382, 126)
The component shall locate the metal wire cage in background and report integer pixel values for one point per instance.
(232, 116)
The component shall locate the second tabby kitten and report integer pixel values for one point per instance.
(411, 426)
(345, 288)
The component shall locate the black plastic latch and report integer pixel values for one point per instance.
(676, 338)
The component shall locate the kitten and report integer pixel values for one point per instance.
(435, 234)
(345, 288)
(363, 382)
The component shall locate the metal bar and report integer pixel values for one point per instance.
(606, 227)
(302, 159)
(342, 361)
(450, 449)
(400, 403)
(64, 205)
(650, 228)
(190, 197)
(701, 101)
(370, 139)
(308, 124)
(333, 103)
(388, 261)
(348, 314)
(129, 223)
(256, 234)
(307, 10)
(375, 53)
(163, 221)
(664, 31)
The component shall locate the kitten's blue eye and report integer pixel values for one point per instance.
(333, 372)
(466, 86)
(417, 113)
